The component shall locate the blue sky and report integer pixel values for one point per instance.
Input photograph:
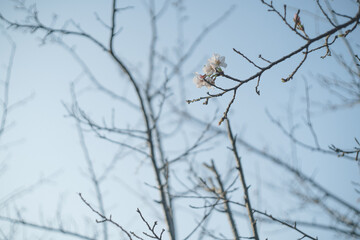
(44, 142)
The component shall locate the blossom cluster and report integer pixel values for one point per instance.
(211, 70)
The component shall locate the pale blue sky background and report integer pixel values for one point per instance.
(43, 142)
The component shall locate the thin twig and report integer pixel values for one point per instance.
(104, 218)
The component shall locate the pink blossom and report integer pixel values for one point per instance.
(202, 80)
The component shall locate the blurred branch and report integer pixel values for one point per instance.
(37, 25)
(320, 226)
(289, 224)
(308, 115)
(77, 113)
(92, 77)
(223, 195)
(4, 101)
(46, 228)
(345, 219)
(19, 192)
(297, 173)
(282, 164)
(94, 179)
(299, 142)
(197, 40)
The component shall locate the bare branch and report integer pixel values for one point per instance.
(104, 218)
(153, 235)
(46, 228)
(242, 179)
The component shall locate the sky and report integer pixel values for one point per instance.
(42, 141)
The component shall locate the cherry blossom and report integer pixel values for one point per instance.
(203, 80)
(217, 61)
(208, 69)
(211, 70)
